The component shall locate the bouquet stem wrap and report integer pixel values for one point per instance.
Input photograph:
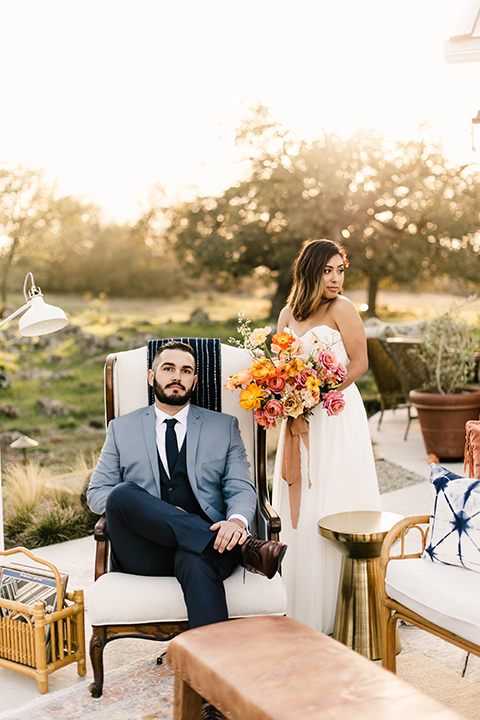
(296, 428)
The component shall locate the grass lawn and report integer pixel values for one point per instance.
(42, 501)
(73, 369)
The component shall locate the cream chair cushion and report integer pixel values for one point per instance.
(443, 594)
(120, 599)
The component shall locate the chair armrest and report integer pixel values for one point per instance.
(102, 546)
(272, 518)
(399, 532)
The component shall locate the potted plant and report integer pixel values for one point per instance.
(447, 400)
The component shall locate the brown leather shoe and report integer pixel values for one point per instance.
(263, 556)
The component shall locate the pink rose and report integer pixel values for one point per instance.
(341, 372)
(301, 378)
(276, 384)
(334, 402)
(274, 408)
(328, 359)
(264, 420)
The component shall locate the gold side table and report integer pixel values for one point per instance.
(359, 536)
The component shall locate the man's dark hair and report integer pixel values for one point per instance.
(173, 345)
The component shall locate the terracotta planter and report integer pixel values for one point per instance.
(443, 417)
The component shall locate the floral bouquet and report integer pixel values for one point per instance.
(284, 382)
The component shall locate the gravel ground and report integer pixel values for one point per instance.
(393, 477)
(390, 476)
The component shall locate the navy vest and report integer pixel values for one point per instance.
(177, 490)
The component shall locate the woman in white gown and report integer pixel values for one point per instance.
(341, 463)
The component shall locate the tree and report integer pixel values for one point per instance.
(25, 198)
(402, 211)
(65, 240)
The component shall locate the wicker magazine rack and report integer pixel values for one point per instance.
(42, 641)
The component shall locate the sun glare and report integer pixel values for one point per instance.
(158, 95)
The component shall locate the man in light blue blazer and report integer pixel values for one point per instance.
(174, 482)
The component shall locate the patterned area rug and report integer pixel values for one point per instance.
(143, 690)
(138, 691)
(441, 683)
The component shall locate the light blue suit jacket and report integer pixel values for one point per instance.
(217, 465)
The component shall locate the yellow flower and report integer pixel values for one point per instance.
(295, 366)
(313, 383)
(250, 398)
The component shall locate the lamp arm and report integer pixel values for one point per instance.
(16, 313)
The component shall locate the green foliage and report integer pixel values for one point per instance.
(402, 211)
(71, 248)
(54, 522)
(41, 509)
(447, 351)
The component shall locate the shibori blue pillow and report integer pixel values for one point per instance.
(454, 530)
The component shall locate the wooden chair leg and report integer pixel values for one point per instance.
(409, 420)
(97, 644)
(187, 703)
(389, 641)
(382, 410)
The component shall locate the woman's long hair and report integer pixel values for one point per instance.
(306, 294)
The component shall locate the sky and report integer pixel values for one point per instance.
(111, 97)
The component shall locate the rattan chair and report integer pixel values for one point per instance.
(410, 371)
(132, 606)
(386, 377)
(440, 599)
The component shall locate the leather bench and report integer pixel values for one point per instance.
(276, 668)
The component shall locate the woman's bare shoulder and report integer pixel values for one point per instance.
(343, 305)
(285, 318)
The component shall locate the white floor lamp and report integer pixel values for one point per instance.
(38, 318)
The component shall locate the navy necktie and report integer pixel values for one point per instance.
(171, 445)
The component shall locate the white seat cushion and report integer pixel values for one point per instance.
(120, 599)
(444, 594)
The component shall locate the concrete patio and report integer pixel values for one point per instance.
(76, 558)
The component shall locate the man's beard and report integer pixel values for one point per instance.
(177, 398)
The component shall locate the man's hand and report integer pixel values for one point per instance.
(230, 533)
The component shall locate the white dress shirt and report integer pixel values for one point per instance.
(180, 428)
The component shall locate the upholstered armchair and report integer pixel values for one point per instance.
(133, 606)
(430, 568)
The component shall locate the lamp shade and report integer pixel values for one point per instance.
(41, 318)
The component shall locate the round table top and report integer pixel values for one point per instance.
(358, 525)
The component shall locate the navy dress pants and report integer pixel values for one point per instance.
(151, 537)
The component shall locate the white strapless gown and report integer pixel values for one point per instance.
(343, 478)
